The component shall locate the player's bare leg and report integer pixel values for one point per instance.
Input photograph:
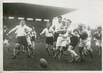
(81, 54)
(30, 51)
(54, 47)
(51, 50)
(61, 52)
(47, 48)
(33, 47)
(74, 55)
(57, 51)
(16, 51)
(99, 48)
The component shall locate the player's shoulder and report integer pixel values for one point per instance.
(26, 26)
(45, 29)
(17, 26)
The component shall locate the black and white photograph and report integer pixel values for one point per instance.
(52, 35)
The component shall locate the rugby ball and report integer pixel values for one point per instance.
(43, 63)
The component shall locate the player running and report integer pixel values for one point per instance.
(56, 26)
(33, 37)
(62, 39)
(49, 37)
(21, 40)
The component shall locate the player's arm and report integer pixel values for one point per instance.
(53, 28)
(12, 30)
(35, 34)
(65, 35)
(43, 32)
(62, 30)
(28, 28)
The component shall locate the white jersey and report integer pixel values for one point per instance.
(56, 26)
(20, 30)
(47, 32)
(63, 39)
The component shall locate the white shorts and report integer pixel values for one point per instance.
(88, 43)
(68, 40)
(61, 41)
(98, 43)
(28, 40)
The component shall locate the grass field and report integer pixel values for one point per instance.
(22, 62)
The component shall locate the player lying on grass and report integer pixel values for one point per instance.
(21, 41)
(49, 37)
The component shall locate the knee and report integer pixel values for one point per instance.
(70, 48)
(17, 45)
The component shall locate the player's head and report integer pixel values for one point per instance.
(64, 23)
(76, 32)
(48, 24)
(99, 28)
(68, 21)
(22, 22)
(33, 28)
(80, 27)
(26, 31)
(59, 19)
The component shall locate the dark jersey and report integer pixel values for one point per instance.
(74, 40)
(83, 35)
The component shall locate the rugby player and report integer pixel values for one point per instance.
(83, 41)
(20, 37)
(74, 40)
(33, 37)
(62, 38)
(49, 37)
(56, 28)
(98, 38)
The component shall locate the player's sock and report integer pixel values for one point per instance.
(90, 53)
(81, 54)
(100, 49)
(47, 49)
(57, 53)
